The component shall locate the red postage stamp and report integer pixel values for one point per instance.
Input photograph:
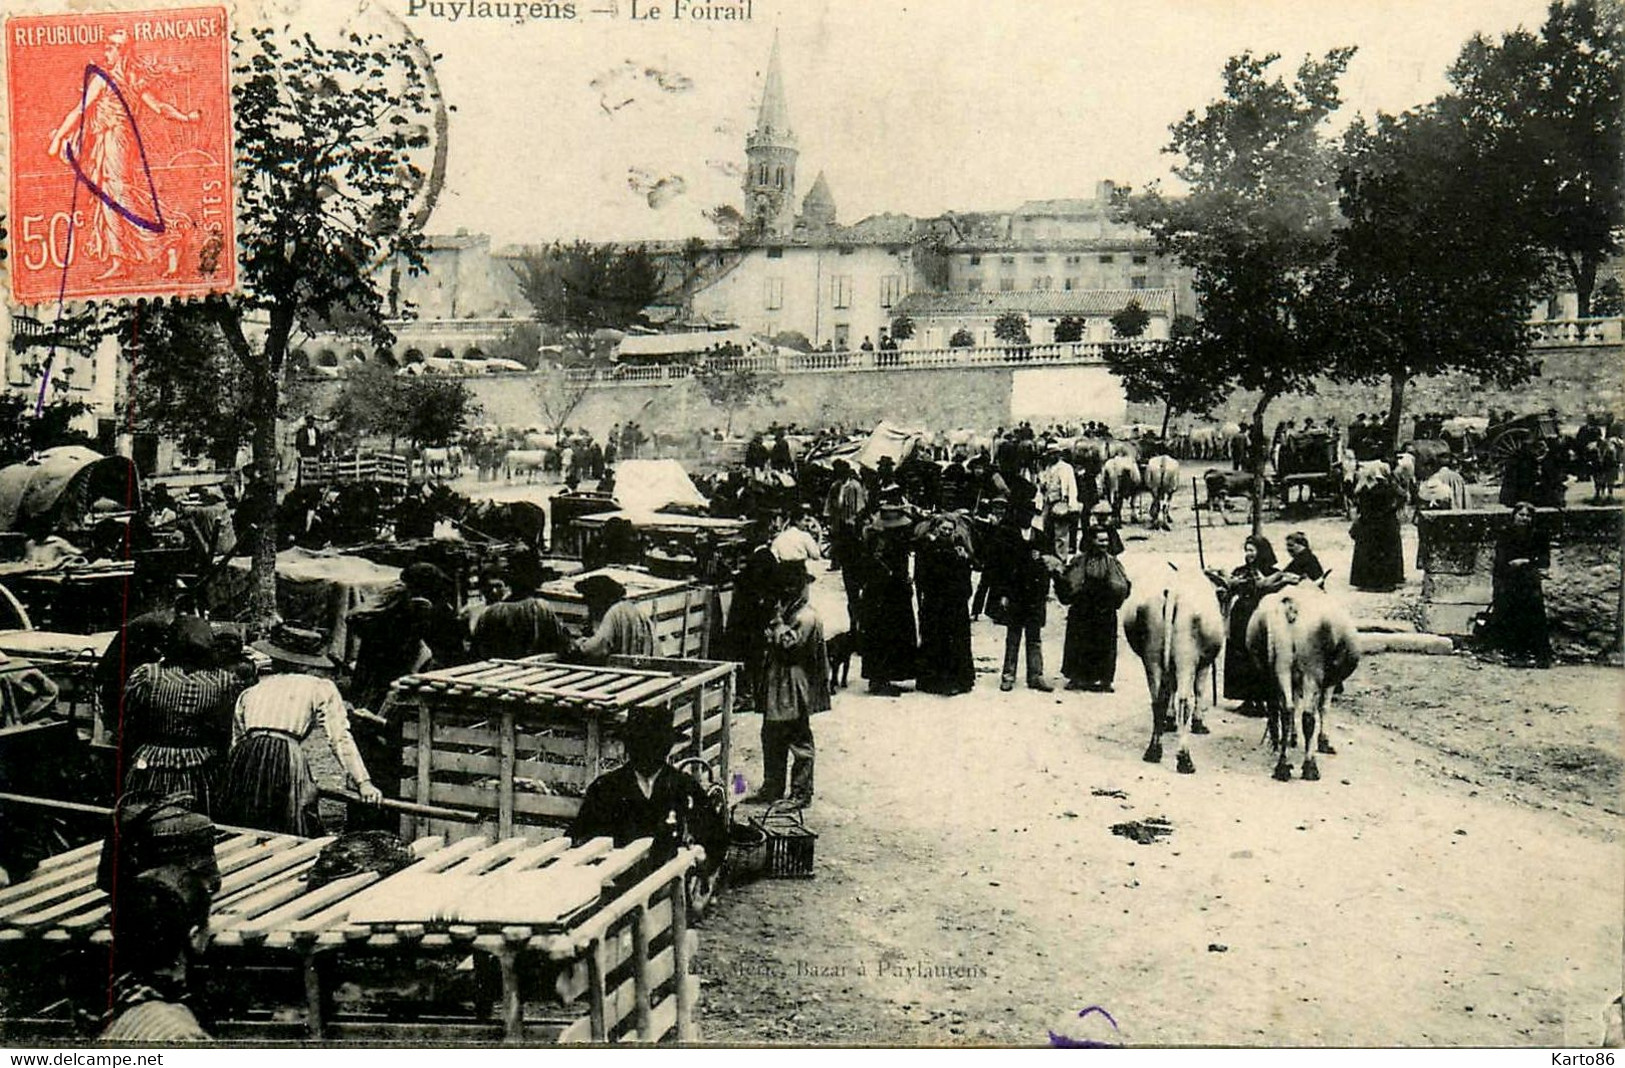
(120, 154)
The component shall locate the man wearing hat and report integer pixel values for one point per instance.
(1020, 570)
(844, 509)
(177, 715)
(648, 798)
(267, 783)
(1058, 485)
(795, 684)
(158, 869)
(619, 627)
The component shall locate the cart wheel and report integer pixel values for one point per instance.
(13, 616)
(1511, 442)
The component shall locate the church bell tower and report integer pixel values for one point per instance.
(770, 159)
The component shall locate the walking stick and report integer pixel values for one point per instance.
(1196, 513)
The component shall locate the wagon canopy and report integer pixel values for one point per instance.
(650, 485)
(886, 440)
(56, 489)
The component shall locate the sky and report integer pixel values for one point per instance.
(613, 129)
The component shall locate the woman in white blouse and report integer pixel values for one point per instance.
(267, 783)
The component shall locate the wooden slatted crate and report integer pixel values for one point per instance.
(681, 612)
(519, 741)
(288, 962)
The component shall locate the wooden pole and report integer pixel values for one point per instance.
(1196, 513)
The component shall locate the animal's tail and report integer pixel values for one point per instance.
(1170, 616)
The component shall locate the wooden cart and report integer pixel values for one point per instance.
(518, 741)
(681, 612)
(290, 963)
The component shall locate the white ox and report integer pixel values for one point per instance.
(1306, 644)
(530, 461)
(1175, 626)
(1162, 480)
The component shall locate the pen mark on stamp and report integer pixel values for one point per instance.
(1059, 1041)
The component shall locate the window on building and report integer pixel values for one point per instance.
(973, 285)
(976, 261)
(772, 328)
(843, 335)
(778, 177)
(1107, 258)
(840, 291)
(1040, 259)
(891, 289)
(775, 253)
(845, 250)
(1007, 261)
(763, 174)
(1074, 259)
(1140, 259)
(1007, 285)
(1137, 282)
(1071, 283)
(1044, 283)
(773, 293)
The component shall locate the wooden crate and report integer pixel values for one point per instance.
(681, 612)
(287, 962)
(518, 741)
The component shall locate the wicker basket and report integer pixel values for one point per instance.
(789, 843)
(747, 853)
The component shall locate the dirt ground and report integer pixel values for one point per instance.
(1455, 878)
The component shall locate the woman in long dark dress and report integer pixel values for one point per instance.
(1379, 558)
(1517, 623)
(1245, 586)
(942, 574)
(1096, 587)
(886, 635)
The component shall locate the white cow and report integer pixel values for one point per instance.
(1176, 628)
(1305, 642)
(530, 461)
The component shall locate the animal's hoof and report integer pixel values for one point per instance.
(1325, 747)
(1311, 773)
(1283, 773)
(1185, 765)
(1198, 727)
(1153, 753)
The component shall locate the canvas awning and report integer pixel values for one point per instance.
(56, 489)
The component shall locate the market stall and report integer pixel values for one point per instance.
(682, 613)
(567, 944)
(518, 741)
(317, 589)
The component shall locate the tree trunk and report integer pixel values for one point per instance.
(1260, 454)
(1396, 407)
(260, 495)
(1584, 272)
(1167, 413)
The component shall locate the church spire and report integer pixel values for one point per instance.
(773, 117)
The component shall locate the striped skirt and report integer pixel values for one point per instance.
(267, 785)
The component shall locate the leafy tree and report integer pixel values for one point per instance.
(329, 140)
(435, 411)
(521, 343)
(585, 288)
(371, 403)
(1011, 327)
(1169, 373)
(1609, 298)
(1256, 225)
(1548, 114)
(1130, 320)
(1425, 280)
(733, 388)
(186, 384)
(962, 339)
(902, 327)
(1069, 329)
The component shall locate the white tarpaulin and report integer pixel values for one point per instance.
(650, 485)
(889, 439)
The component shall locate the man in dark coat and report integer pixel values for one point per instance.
(648, 798)
(1020, 575)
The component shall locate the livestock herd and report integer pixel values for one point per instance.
(1299, 637)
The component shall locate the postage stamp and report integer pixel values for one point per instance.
(120, 164)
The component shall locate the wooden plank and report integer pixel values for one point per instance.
(615, 864)
(252, 929)
(640, 973)
(538, 856)
(424, 770)
(573, 943)
(471, 797)
(47, 916)
(687, 986)
(505, 797)
(596, 1008)
(488, 858)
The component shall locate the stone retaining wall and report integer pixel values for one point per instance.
(1456, 553)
